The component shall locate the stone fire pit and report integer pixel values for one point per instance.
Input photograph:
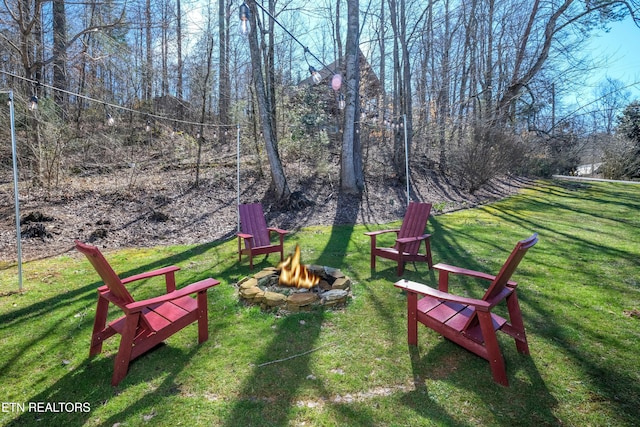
(333, 290)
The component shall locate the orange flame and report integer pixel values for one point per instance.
(292, 273)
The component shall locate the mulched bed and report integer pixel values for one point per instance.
(163, 207)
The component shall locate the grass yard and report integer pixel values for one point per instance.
(579, 290)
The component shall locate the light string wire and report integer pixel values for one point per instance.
(305, 48)
(307, 51)
(116, 106)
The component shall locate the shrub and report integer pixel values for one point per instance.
(488, 153)
(620, 160)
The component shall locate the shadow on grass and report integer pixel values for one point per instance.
(441, 363)
(90, 384)
(269, 392)
(446, 361)
(90, 380)
(576, 247)
(86, 296)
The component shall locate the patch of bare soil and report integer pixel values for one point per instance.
(136, 207)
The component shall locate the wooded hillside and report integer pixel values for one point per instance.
(473, 90)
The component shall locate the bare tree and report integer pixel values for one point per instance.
(351, 172)
(148, 69)
(260, 62)
(611, 98)
(180, 63)
(60, 53)
(224, 81)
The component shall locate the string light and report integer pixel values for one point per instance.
(34, 99)
(245, 26)
(315, 75)
(336, 80)
(33, 103)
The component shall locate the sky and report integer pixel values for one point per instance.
(621, 48)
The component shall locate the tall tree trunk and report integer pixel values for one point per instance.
(382, 101)
(351, 173)
(401, 97)
(60, 55)
(203, 112)
(224, 82)
(279, 181)
(338, 36)
(442, 99)
(404, 139)
(148, 75)
(487, 84)
(180, 64)
(270, 68)
(165, 50)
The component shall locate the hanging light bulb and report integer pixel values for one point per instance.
(33, 103)
(147, 128)
(315, 75)
(245, 26)
(110, 120)
(341, 102)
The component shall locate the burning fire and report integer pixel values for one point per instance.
(292, 273)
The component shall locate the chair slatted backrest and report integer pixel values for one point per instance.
(106, 273)
(509, 267)
(498, 285)
(252, 222)
(414, 224)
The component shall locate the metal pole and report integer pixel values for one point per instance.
(238, 176)
(15, 186)
(406, 155)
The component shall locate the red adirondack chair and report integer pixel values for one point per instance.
(409, 237)
(466, 321)
(146, 323)
(256, 234)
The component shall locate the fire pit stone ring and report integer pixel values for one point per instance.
(333, 290)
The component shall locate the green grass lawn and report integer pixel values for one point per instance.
(578, 289)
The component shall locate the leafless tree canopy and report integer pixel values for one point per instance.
(471, 89)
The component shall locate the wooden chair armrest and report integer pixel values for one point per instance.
(148, 274)
(471, 273)
(375, 233)
(421, 289)
(277, 230)
(245, 235)
(413, 239)
(193, 288)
